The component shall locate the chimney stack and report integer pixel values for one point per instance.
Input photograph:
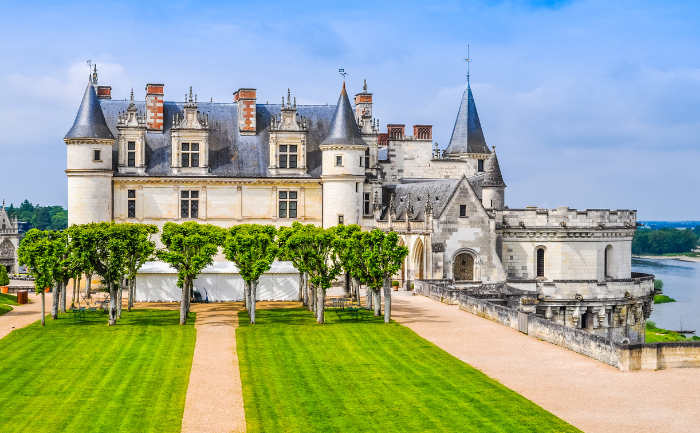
(154, 107)
(423, 132)
(245, 98)
(104, 92)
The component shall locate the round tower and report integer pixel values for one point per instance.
(493, 188)
(89, 147)
(343, 171)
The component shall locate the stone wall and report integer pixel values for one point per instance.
(626, 357)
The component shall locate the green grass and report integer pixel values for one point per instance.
(4, 309)
(8, 299)
(365, 376)
(88, 377)
(659, 335)
(688, 254)
(663, 299)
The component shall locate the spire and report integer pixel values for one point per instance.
(467, 136)
(90, 122)
(493, 174)
(344, 128)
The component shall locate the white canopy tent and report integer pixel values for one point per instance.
(220, 282)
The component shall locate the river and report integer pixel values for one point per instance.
(682, 283)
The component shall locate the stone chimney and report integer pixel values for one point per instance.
(104, 92)
(154, 107)
(245, 98)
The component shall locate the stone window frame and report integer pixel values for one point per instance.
(186, 155)
(341, 219)
(480, 166)
(191, 194)
(97, 155)
(285, 150)
(339, 160)
(131, 154)
(131, 203)
(367, 203)
(463, 207)
(544, 262)
(288, 200)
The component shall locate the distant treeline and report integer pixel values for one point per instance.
(40, 217)
(665, 240)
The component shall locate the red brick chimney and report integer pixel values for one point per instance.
(423, 132)
(104, 92)
(396, 132)
(246, 111)
(154, 107)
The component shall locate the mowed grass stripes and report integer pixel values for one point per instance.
(365, 376)
(88, 377)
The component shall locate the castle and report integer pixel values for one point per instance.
(155, 161)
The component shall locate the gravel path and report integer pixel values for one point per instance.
(23, 315)
(588, 394)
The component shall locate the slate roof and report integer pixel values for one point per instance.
(467, 136)
(344, 128)
(230, 153)
(493, 174)
(90, 122)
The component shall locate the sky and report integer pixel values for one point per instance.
(591, 104)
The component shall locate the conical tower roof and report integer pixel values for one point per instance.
(344, 128)
(90, 122)
(467, 136)
(493, 174)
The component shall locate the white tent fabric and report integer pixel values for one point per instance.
(220, 282)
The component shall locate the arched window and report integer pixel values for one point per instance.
(607, 261)
(540, 262)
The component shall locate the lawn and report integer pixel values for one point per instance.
(8, 299)
(88, 377)
(4, 309)
(659, 335)
(365, 376)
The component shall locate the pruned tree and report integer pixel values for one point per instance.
(359, 268)
(384, 257)
(323, 266)
(344, 253)
(252, 248)
(295, 245)
(37, 253)
(189, 248)
(139, 250)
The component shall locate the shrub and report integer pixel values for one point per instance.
(395, 283)
(650, 325)
(663, 299)
(412, 286)
(658, 285)
(4, 279)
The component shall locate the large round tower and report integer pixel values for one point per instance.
(343, 172)
(89, 169)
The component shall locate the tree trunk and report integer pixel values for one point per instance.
(130, 301)
(321, 306)
(301, 287)
(253, 296)
(75, 282)
(246, 296)
(346, 288)
(55, 299)
(77, 295)
(62, 303)
(88, 285)
(314, 292)
(43, 308)
(113, 304)
(377, 301)
(119, 298)
(310, 293)
(305, 279)
(387, 300)
(369, 295)
(183, 302)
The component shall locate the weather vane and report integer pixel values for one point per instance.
(468, 60)
(343, 73)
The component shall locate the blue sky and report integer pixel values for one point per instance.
(591, 104)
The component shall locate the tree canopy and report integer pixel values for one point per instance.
(40, 217)
(665, 240)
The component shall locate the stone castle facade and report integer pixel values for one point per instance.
(246, 162)
(9, 241)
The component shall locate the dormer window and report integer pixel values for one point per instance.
(288, 156)
(190, 154)
(131, 157)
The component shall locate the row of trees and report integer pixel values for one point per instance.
(116, 252)
(665, 240)
(40, 217)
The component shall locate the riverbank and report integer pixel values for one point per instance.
(673, 257)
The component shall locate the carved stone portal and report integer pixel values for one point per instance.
(464, 267)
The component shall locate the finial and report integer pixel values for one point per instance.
(132, 94)
(94, 75)
(295, 102)
(343, 73)
(3, 203)
(195, 98)
(364, 88)
(494, 149)
(211, 99)
(468, 60)
(288, 98)
(190, 93)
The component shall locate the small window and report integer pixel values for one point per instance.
(189, 204)
(339, 160)
(288, 156)
(480, 165)
(366, 202)
(463, 210)
(190, 154)
(540, 262)
(366, 158)
(288, 204)
(341, 219)
(96, 156)
(131, 154)
(357, 186)
(362, 160)
(131, 203)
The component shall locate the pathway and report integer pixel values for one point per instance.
(588, 394)
(23, 315)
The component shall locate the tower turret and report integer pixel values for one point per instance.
(493, 189)
(343, 171)
(467, 140)
(89, 166)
